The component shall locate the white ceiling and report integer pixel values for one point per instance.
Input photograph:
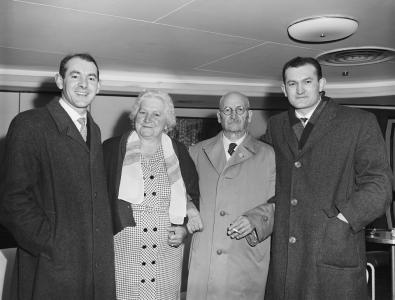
(189, 47)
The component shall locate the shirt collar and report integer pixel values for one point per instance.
(71, 112)
(309, 114)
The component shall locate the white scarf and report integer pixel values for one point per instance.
(131, 188)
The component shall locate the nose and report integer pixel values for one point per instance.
(147, 118)
(83, 82)
(299, 89)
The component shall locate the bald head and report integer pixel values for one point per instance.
(234, 95)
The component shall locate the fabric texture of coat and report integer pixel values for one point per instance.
(342, 167)
(221, 268)
(54, 201)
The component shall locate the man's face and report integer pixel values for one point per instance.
(234, 123)
(302, 87)
(80, 83)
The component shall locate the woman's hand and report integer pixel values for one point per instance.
(176, 235)
(195, 222)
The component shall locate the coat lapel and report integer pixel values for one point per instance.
(322, 126)
(246, 150)
(215, 153)
(65, 125)
(289, 136)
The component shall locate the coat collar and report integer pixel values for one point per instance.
(321, 127)
(66, 126)
(214, 150)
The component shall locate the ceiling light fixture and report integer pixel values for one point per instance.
(322, 29)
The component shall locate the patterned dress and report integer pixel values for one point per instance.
(146, 267)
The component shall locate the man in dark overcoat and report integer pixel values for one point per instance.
(53, 197)
(333, 178)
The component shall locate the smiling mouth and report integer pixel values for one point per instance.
(82, 93)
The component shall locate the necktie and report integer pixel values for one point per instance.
(231, 148)
(303, 120)
(83, 129)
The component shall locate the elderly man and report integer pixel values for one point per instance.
(236, 174)
(54, 198)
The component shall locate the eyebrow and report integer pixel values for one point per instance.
(79, 73)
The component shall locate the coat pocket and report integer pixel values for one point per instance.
(339, 245)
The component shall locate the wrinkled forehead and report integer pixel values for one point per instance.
(234, 100)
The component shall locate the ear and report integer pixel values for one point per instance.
(59, 81)
(219, 117)
(322, 83)
(284, 89)
(249, 116)
(98, 87)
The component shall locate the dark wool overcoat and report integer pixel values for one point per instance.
(54, 201)
(343, 168)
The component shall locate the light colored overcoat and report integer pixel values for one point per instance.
(55, 203)
(222, 268)
(343, 168)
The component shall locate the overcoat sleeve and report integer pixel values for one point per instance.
(188, 172)
(373, 178)
(20, 209)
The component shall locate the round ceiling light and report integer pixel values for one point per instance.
(322, 29)
(356, 56)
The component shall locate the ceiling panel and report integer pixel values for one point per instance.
(150, 11)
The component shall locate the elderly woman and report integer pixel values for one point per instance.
(151, 180)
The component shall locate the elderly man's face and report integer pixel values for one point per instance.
(234, 123)
(151, 118)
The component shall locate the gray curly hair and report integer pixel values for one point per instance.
(167, 101)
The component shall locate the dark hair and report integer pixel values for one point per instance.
(83, 56)
(301, 61)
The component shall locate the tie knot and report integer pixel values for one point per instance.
(304, 120)
(82, 121)
(231, 148)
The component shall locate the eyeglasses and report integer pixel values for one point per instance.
(227, 111)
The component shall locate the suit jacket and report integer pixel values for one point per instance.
(54, 201)
(222, 268)
(114, 153)
(342, 167)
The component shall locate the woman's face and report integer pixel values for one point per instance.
(151, 120)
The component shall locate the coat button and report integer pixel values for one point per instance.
(142, 280)
(298, 164)
(292, 240)
(222, 213)
(143, 263)
(219, 251)
(265, 218)
(294, 202)
(151, 177)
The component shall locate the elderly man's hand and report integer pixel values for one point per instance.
(195, 222)
(176, 235)
(240, 228)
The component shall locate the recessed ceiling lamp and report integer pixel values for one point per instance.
(356, 56)
(322, 29)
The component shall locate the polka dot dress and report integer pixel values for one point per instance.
(146, 267)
